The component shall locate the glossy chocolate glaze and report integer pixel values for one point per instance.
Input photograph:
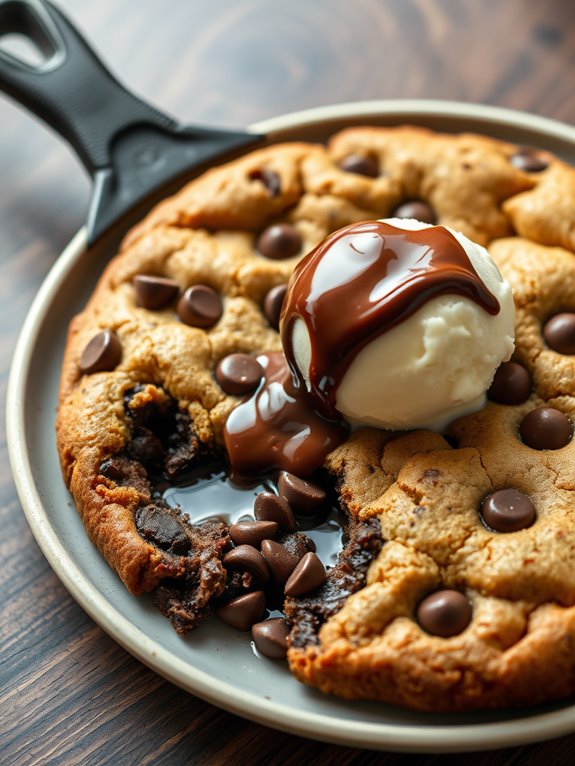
(364, 280)
(278, 428)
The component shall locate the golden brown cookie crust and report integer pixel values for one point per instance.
(425, 493)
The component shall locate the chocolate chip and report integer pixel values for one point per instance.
(511, 384)
(269, 178)
(280, 561)
(154, 292)
(361, 164)
(270, 638)
(239, 374)
(303, 496)
(102, 354)
(417, 209)
(253, 532)
(249, 558)
(308, 575)
(270, 507)
(444, 613)
(161, 528)
(242, 612)
(279, 241)
(559, 333)
(546, 428)
(273, 303)
(200, 306)
(298, 543)
(508, 510)
(529, 160)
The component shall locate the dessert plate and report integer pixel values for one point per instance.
(215, 662)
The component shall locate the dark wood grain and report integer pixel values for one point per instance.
(69, 694)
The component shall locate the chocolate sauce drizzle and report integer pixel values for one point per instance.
(357, 284)
(278, 427)
(364, 280)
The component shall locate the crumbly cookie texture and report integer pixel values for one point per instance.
(413, 499)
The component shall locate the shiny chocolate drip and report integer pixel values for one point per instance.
(277, 427)
(363, 280)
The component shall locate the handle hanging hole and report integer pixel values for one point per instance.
(24, 38)
(23, 49)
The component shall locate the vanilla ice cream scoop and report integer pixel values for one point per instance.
(397, 324)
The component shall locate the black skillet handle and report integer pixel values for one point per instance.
(129, 148)
(71, 89)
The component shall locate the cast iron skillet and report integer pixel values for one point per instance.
(124, 186)
(134, 153)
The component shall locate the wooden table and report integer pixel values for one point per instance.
(69, 694)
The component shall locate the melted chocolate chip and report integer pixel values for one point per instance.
(273, 303)
(308, 575)
(361, 164)
(559, 333)
(253, 532)
(242, 612)
(418, 209)
(270, 638)
(186, 594)
(102, 354)
(146, 448)
(157, 422)
(511, 384)
(154, 292)
(250, 559)
(308, 614)
(279, 559)
(160, 527)
(113, 468)
(529, 160)
(279, 241)
(126, 473)
(239, 374)
(269, 178)
(200, 306)
(546, 428)
(508, 510)
(155, 413)
(270, 507)
(444, 613)
(184, 449)
(303, 496)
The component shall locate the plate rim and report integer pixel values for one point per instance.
(415, 738)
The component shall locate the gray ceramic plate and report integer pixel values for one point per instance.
(216, 663)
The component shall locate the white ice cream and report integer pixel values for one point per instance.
(434, 366)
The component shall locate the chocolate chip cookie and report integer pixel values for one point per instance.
(454, 587)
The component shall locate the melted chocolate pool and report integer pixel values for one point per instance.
(214, 496)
